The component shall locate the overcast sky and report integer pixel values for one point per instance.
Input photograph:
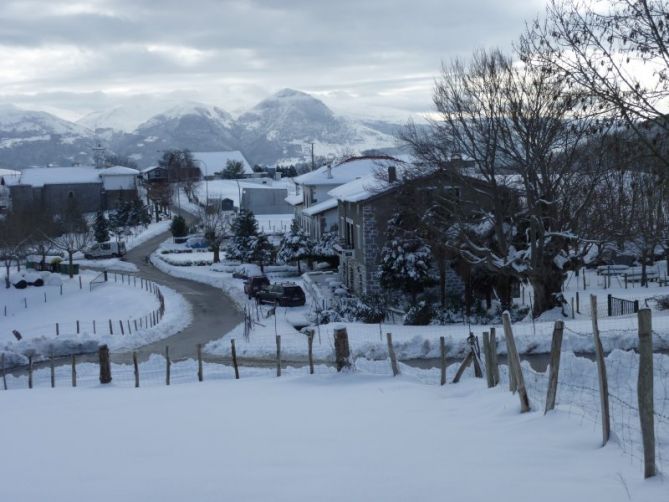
(369, 57)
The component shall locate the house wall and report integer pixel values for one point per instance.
(53, 198)
(119, 182)
(266, 200)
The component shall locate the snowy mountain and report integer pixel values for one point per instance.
(39, 138)
(280, 128)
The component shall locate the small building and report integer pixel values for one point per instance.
(50, 188)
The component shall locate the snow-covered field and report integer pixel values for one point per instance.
(120, 302)
(355, 437)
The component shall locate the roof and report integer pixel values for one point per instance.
(214, 162)
(40, 176)
(118, 171)
(9, 172)
(321, 207)
(295, 199)
(151, 168)
(348, 170)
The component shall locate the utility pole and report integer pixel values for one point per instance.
(312, 156)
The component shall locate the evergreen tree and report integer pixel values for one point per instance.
(262, 251)
(295, 245)
(405, 261)
(179, 227)
(244, 231)
(234, 169)
(101, 227)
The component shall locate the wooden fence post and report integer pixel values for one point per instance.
(30, 371)
(342, 351)
(442, 359)
(105, 365)
(52, 368)
(57, 329)
(200, 373)
(2, 366)
(609, 302)
(463, 366)
(556, 348)
(80, 286)
(514, 363)
(111, 330)
(391, 354)
(74, 370)
(278, 355)
(487, 354)
(120, 323)
(234, 359)
(310, 348)
(77, 326)
(493, 352)
(578, 303)
(168, 365)
(645, 392)
(601, 372)
(136, 368)
(573, 311)
(94, 326)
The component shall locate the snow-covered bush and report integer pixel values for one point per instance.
(420, 314)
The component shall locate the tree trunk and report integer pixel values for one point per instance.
(644, 278)
(299, 270)
(217, 254)
(7, 283)
(442, 280)
(547, 292)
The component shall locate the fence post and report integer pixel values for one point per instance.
(77, 326)
(601, 372)
(136, 368)
(2, 366)
(94, 326)
(636, 306)
(30, 371)
(645, 392)
(310, 347)
(342, 351)
(556, 347)
(488, 360)
(168, 365)
(80, 285)
(573, 311)
(278, 355)
(129, 328)
(52, 368)
(105, 364)
(57, 329)
(514, 363)
(111, 330)
(391, 354)
(578, 303)
(120, 323)
(105, 275)
(463, 366)
(74, 370)
(493, 352)
(609, 302)
(234, 359)
(200, 373)
(442, 359)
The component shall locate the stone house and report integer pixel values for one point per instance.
(317, 210)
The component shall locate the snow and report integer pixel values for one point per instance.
(40, 176)
(321, 207)
(118, 171)
(214, 162)
(338, 174)
(354, 436)
(230, 189)
(295, 199)
(115, 300)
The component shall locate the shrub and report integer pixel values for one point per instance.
(420, 314)
(661, 302)
(179, 227)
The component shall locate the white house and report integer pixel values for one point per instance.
(212, 163)
(317, 211)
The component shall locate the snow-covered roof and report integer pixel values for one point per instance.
(295, 199)
(40, 176)
(321, 207)
(9, 172)
(149, 169)
(118, 171)
(214, 162)
(359, 189)
(9, 176)
(350, 169)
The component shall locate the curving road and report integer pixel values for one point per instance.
(214, 314)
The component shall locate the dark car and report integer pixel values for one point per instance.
(254, 284)
(285, 295)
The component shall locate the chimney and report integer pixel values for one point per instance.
(392, 174)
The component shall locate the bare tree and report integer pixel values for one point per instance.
(14, 236)
(216, 226)
(75, 234)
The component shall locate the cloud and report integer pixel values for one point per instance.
(355, 54)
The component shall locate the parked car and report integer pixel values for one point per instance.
(254, 284)
(197, 242)
(246, 270)
(105, 250)
(287, 294)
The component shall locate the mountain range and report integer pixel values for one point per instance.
(279, 129)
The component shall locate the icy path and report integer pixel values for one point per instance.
(324, 437)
